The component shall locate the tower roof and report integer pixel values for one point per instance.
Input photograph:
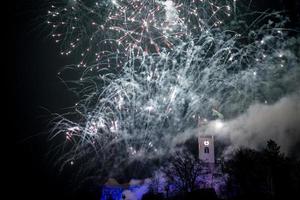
(112, 182)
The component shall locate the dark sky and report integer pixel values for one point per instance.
(38, 88)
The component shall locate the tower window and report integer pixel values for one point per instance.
(206, 150)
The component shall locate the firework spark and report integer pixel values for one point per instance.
(152, 69)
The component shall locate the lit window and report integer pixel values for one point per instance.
(206, 142)
(206, 150)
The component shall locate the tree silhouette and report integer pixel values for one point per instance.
(182, 170)
(267, 173)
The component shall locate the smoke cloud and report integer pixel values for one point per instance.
(261, 122)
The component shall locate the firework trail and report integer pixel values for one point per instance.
(150, 70)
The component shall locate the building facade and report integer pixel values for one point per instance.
(206, 149)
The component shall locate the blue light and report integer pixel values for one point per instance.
(111, 193)
(115, 192)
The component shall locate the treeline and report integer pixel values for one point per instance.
(265, 174)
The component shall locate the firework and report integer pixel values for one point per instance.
(150, 70)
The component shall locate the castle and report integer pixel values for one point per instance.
(211, 178)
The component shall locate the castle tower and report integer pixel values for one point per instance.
(206, 149)
(207, 155)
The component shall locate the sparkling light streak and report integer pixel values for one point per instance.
(149, 70)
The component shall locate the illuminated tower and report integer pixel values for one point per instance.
(207, 155)
(206, 149)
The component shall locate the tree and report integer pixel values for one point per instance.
(182, 171)
(273, 161)
(245, 171)
(266, 174)
(282, 173)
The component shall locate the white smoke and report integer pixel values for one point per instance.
(138, 189)
(129, 195)
(261, 122)
(172, 17)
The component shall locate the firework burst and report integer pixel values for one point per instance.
(150, 70)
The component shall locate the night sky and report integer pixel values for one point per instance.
(38, 93)
(38, 89)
